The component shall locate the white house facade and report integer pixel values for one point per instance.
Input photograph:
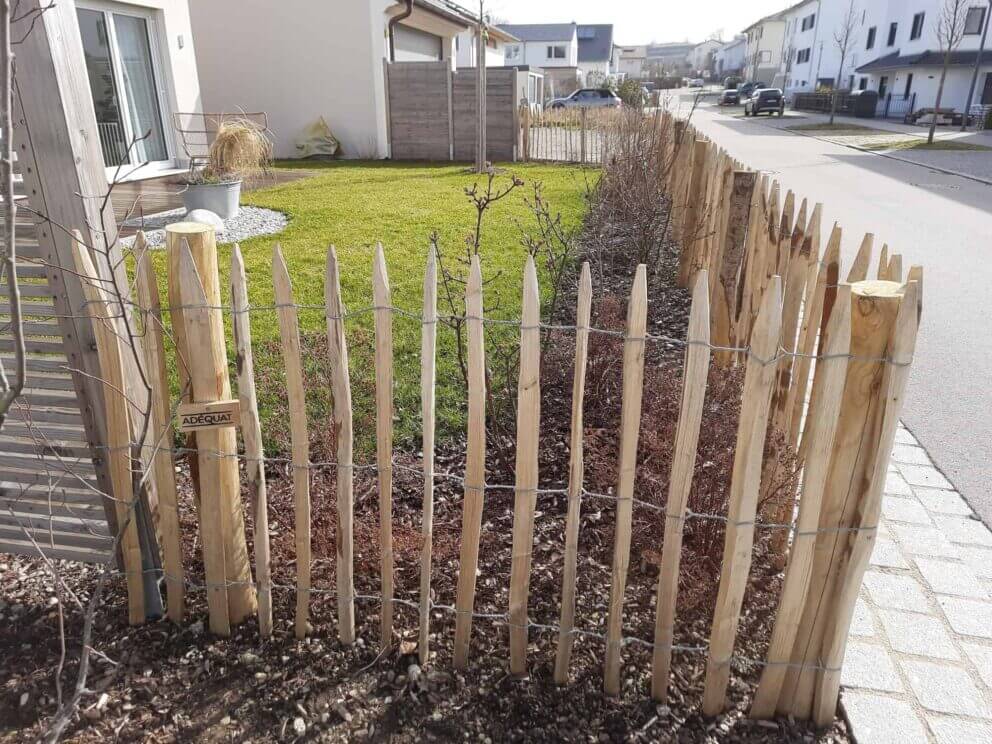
(893, 49)
(338, 78)
(729, 58)
(764, 48)
(632, 61)
(701, 57)
(496, 42)
(141, 65)
(905, 60)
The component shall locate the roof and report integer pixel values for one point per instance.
(595, 42)
(732, 43)
(780, 15)
(929, 58)
(668, 50)
(540, 31)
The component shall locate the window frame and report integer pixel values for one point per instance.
(981, 22)
(893, 34)
(553, 48)
(916, 30)
(872, 33)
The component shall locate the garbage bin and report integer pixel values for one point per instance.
(864, 103)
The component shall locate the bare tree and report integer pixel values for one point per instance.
(843, 36)
(950, 31)
(10, 386)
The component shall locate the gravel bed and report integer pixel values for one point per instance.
(249, 222)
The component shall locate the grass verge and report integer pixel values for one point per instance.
(916, 143)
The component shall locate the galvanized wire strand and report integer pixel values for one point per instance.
(781, 352)
(497, 618)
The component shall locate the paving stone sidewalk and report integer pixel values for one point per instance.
(919, 659)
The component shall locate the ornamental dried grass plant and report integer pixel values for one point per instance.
(241, 149)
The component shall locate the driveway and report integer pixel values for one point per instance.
(941, 221)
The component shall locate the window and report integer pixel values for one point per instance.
(909, 86)
(809, 21)
(556, 51)
(893, 28)
(512, 51)
(883, 86)
(871, 38)
(584, 32)
(917, 31)
(863, 84)
(803, 56)
(974, 20)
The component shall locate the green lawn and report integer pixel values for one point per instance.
(917, 143)
(353, 205)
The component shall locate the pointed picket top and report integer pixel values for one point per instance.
(916, 275)
(788, 213)
(811, 238)
(802, 224)
(859, 269)
(894, 271)
(883, 263)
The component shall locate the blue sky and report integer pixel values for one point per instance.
(641, 21)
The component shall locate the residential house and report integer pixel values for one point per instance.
(496, 41)
(728, 60)
(764, 47)
(902, 56)
(701, 57)
(552, 47)
(668, 59)
(595, 54)
(321, 61)
(141, 65)
(632, 61)
(894, 50)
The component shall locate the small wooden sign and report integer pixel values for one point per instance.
(215, 415)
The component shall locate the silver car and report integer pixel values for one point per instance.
(588, 98)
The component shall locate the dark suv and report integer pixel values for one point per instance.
(765, 99)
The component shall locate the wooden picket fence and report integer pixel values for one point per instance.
(566, 135)
(763, 298)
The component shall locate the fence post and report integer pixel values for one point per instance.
(200, 243)
(525, 489)
(697, 362)
(630, 427)
(251, 432)
(582, 134)
(428, 346)
(693, 210)
(894, 378)
(744, 487)
(289, 337)
(337, 352)
(575, 477)
(117, 415)
(382, 297)
(829, 385)
(525, 131)
(214, 516)
(475, 465)
(160, 431)
(874, 306)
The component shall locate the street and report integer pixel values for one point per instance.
(939, 221)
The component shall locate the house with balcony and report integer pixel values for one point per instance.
(551, 47)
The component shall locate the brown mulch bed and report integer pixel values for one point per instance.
(160, 682)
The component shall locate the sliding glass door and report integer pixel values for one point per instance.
(121, 61)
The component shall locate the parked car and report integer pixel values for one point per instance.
(746, 89)
(729, 97)
(696, 83)
(765, 99)
(588, 98)
(732, 82)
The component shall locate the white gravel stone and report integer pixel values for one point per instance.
(249, 222)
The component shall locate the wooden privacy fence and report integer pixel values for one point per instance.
(864, 348)
(432, 111)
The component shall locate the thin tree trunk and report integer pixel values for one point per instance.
(940, 94)
(833, 93)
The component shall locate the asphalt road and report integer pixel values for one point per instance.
(940, 221)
